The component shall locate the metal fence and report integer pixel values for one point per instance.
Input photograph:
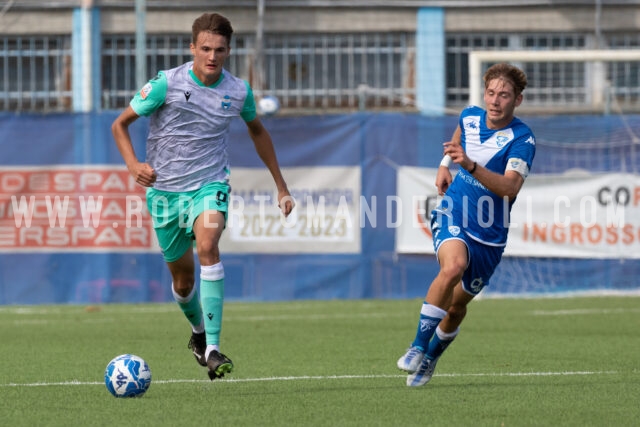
(303, 71)
(35, 73)
(306, 72)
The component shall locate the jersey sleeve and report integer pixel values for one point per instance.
(248, 112)
(523, 152)
(151, 96)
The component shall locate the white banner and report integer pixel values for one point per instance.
(325, 218)
(577, 216)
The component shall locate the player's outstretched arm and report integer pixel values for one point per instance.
(264, 147)
(143, 173)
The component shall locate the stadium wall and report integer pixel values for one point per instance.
(73, 154)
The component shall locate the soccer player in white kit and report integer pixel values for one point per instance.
(494, 150)
(186, 171)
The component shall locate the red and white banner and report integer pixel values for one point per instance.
(576, 216)
(101, 208)
(73, 209)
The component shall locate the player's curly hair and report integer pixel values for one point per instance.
(213, 23)
(508, 72)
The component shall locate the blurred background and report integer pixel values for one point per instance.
(367, 93)
(83, 55)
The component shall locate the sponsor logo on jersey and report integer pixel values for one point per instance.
(226, 102)
(187, 95)
(531, 140)
(471, 124)
(145, 91)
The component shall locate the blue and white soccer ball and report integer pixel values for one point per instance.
(127, 375)
(268, 105)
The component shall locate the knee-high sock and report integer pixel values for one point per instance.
(430, 317)
(190, 306)
(212, 298)
(440, 342)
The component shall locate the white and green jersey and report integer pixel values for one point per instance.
(189, 127)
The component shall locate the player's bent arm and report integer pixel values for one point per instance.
(443, 180)
(507, 185)
(142, 172)
(120, 131)
(456, 138)
(267, 153)
(443, 176)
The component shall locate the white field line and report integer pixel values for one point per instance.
(227, 318)
(589, 311)
(321, 378)
(236, 313)
(236, 317)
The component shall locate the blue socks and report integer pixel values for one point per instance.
(440, 342)
(430, 317)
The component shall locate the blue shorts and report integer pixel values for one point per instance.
(482, 259)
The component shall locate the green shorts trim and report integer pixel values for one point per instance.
(173, 215)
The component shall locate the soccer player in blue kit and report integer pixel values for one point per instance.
(494, 151)
(187, 173)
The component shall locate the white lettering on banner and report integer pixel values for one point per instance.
(368, 212)
(87, 179)
(327, 228)
(100, 208)
(326, 219)
(72, 209)
(559, 215)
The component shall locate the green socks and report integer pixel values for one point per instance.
(212, 298)
(190, 306)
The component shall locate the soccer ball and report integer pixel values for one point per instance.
(127, 376)
(268, 105)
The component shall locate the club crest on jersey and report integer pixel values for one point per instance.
(503, 138)
(226, 102)
(454, 230)
(145, 91)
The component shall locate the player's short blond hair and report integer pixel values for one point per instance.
(508, 72)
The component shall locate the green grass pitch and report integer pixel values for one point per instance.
(516, 362)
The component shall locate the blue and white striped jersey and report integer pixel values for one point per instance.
(483, 215)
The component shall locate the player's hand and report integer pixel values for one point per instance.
(458, 155)
(285, 202)
(143, 173)
(443, 180)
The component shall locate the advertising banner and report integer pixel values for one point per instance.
(102, 209)
(73, 209)
(326, 218)
(578, 215)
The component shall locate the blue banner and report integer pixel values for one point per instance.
(56, 145)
